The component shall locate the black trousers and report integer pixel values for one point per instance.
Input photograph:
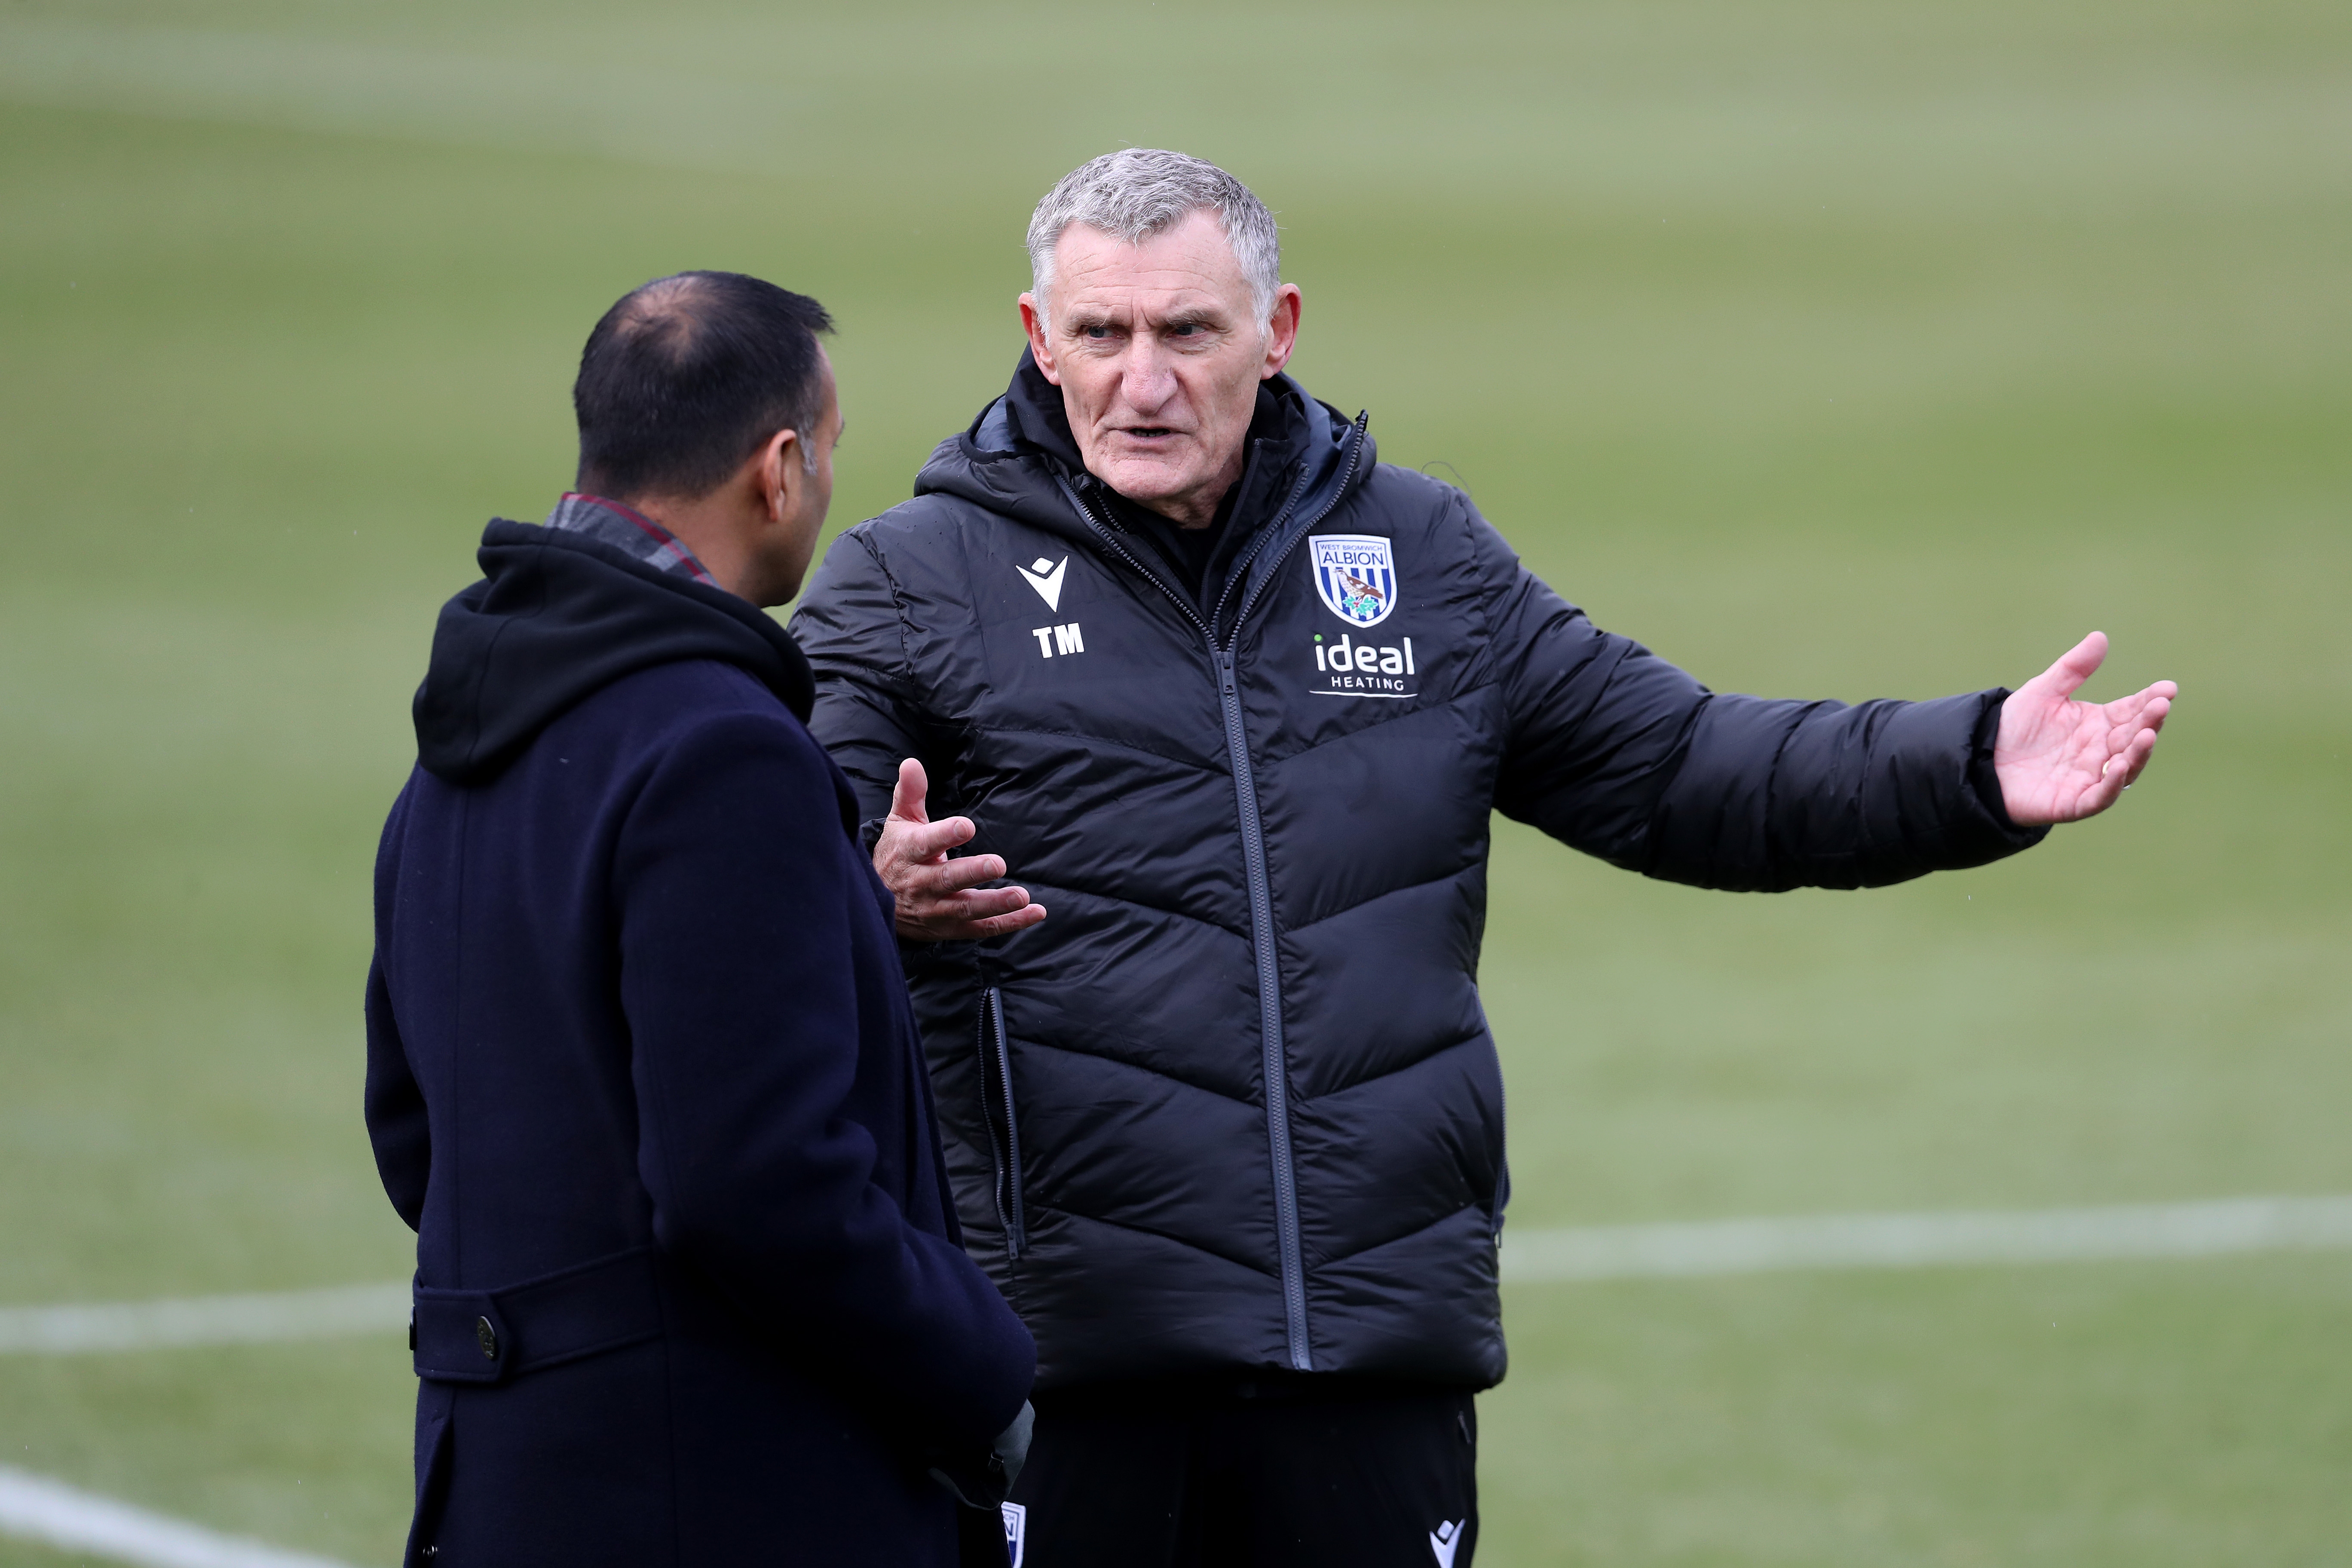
(1293, 1472)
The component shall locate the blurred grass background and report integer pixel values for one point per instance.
(1833, 348)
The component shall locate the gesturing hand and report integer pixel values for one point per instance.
(2061, 761)
(942, 900)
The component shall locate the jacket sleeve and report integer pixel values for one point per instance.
(747, 1005)
(391, 1101)
(848, 626)
(1617, 753)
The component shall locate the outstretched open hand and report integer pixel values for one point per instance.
(938, 899)
(2061, 761)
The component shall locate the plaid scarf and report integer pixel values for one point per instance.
(610, 522)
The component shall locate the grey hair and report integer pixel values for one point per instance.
(1139, 192)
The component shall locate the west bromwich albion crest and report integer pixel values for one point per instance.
(1356, 574)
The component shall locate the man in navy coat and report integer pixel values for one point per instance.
(642, 1072)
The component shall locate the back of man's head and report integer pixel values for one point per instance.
(1139, 192)
(686, 378)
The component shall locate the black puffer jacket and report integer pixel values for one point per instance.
(1234, 1106)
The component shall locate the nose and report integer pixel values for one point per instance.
(1146, 378)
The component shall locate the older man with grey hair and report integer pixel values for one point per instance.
(1237, 701)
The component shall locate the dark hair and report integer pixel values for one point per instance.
(690, 375)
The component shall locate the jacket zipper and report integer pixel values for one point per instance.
(1275, 1059)
(1269, 1006)
(996, 1097)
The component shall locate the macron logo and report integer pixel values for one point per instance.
(1045, 576)
(1443, 1540)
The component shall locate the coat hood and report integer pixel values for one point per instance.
(1018, 453)
(558, 617)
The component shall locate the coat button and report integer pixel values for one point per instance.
(489, 1337)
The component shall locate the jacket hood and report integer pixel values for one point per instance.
(1018, 455)
(558, 617)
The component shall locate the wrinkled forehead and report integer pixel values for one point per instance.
(1186, 269)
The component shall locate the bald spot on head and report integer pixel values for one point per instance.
(663, 318)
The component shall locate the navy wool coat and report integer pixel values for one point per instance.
(642, 1075)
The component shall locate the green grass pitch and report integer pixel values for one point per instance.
(1832, 348)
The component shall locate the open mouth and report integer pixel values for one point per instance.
(1147, 432)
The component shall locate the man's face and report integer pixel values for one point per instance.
(1158, 354)
(807, 493)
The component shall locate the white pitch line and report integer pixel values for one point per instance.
(2208, 1229)
(35, 1508)
(205, 1321)
(1925, 1240)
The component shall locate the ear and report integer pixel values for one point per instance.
(1281, 331)
(780, 475)
(1033, 322)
